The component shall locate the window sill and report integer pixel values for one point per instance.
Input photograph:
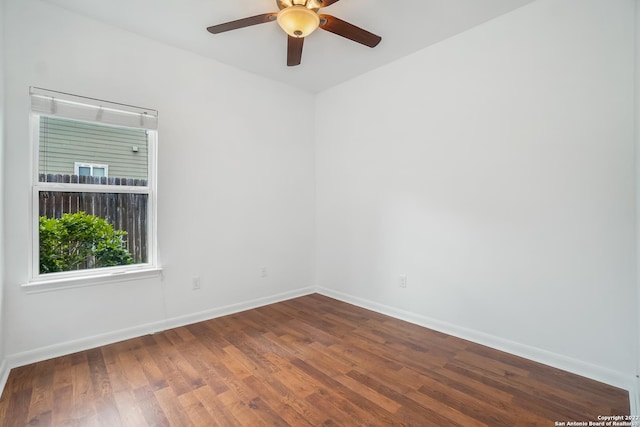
(57, 284)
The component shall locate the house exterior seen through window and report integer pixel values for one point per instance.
(81, 148)
(90, 169)
(93, 187)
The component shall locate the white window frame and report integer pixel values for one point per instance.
(78, 165)
(61, 280)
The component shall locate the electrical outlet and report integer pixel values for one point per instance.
(196, 283)
(403, 281)
(263, 272)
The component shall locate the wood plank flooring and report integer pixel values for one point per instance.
(310, 361)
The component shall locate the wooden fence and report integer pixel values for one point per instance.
(124, 211)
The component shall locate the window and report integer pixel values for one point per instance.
(90, 169)
(93, 187)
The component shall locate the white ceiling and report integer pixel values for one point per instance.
(327, 59)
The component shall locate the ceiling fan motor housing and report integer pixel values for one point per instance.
(309, 4)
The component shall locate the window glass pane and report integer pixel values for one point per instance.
(83, 230)
(64, 142)
(98, 171)
(84, 171)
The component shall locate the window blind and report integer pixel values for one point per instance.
(59, 104)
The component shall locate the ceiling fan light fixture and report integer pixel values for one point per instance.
(298, 21)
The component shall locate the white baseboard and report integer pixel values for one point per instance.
(4, 374)
(585, 369)
(234, 308)
(69, 347)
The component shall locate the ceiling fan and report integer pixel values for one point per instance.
(299, 18)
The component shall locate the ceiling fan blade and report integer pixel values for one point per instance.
(325, 3)
(294, 50)
(241, 23)
(349, 31)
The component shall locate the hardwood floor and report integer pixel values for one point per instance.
(308, 361)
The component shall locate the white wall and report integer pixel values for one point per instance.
(3, 370)
(496, 171)
(235, 192)
(637, 135)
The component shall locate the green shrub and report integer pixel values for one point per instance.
(79, 241)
